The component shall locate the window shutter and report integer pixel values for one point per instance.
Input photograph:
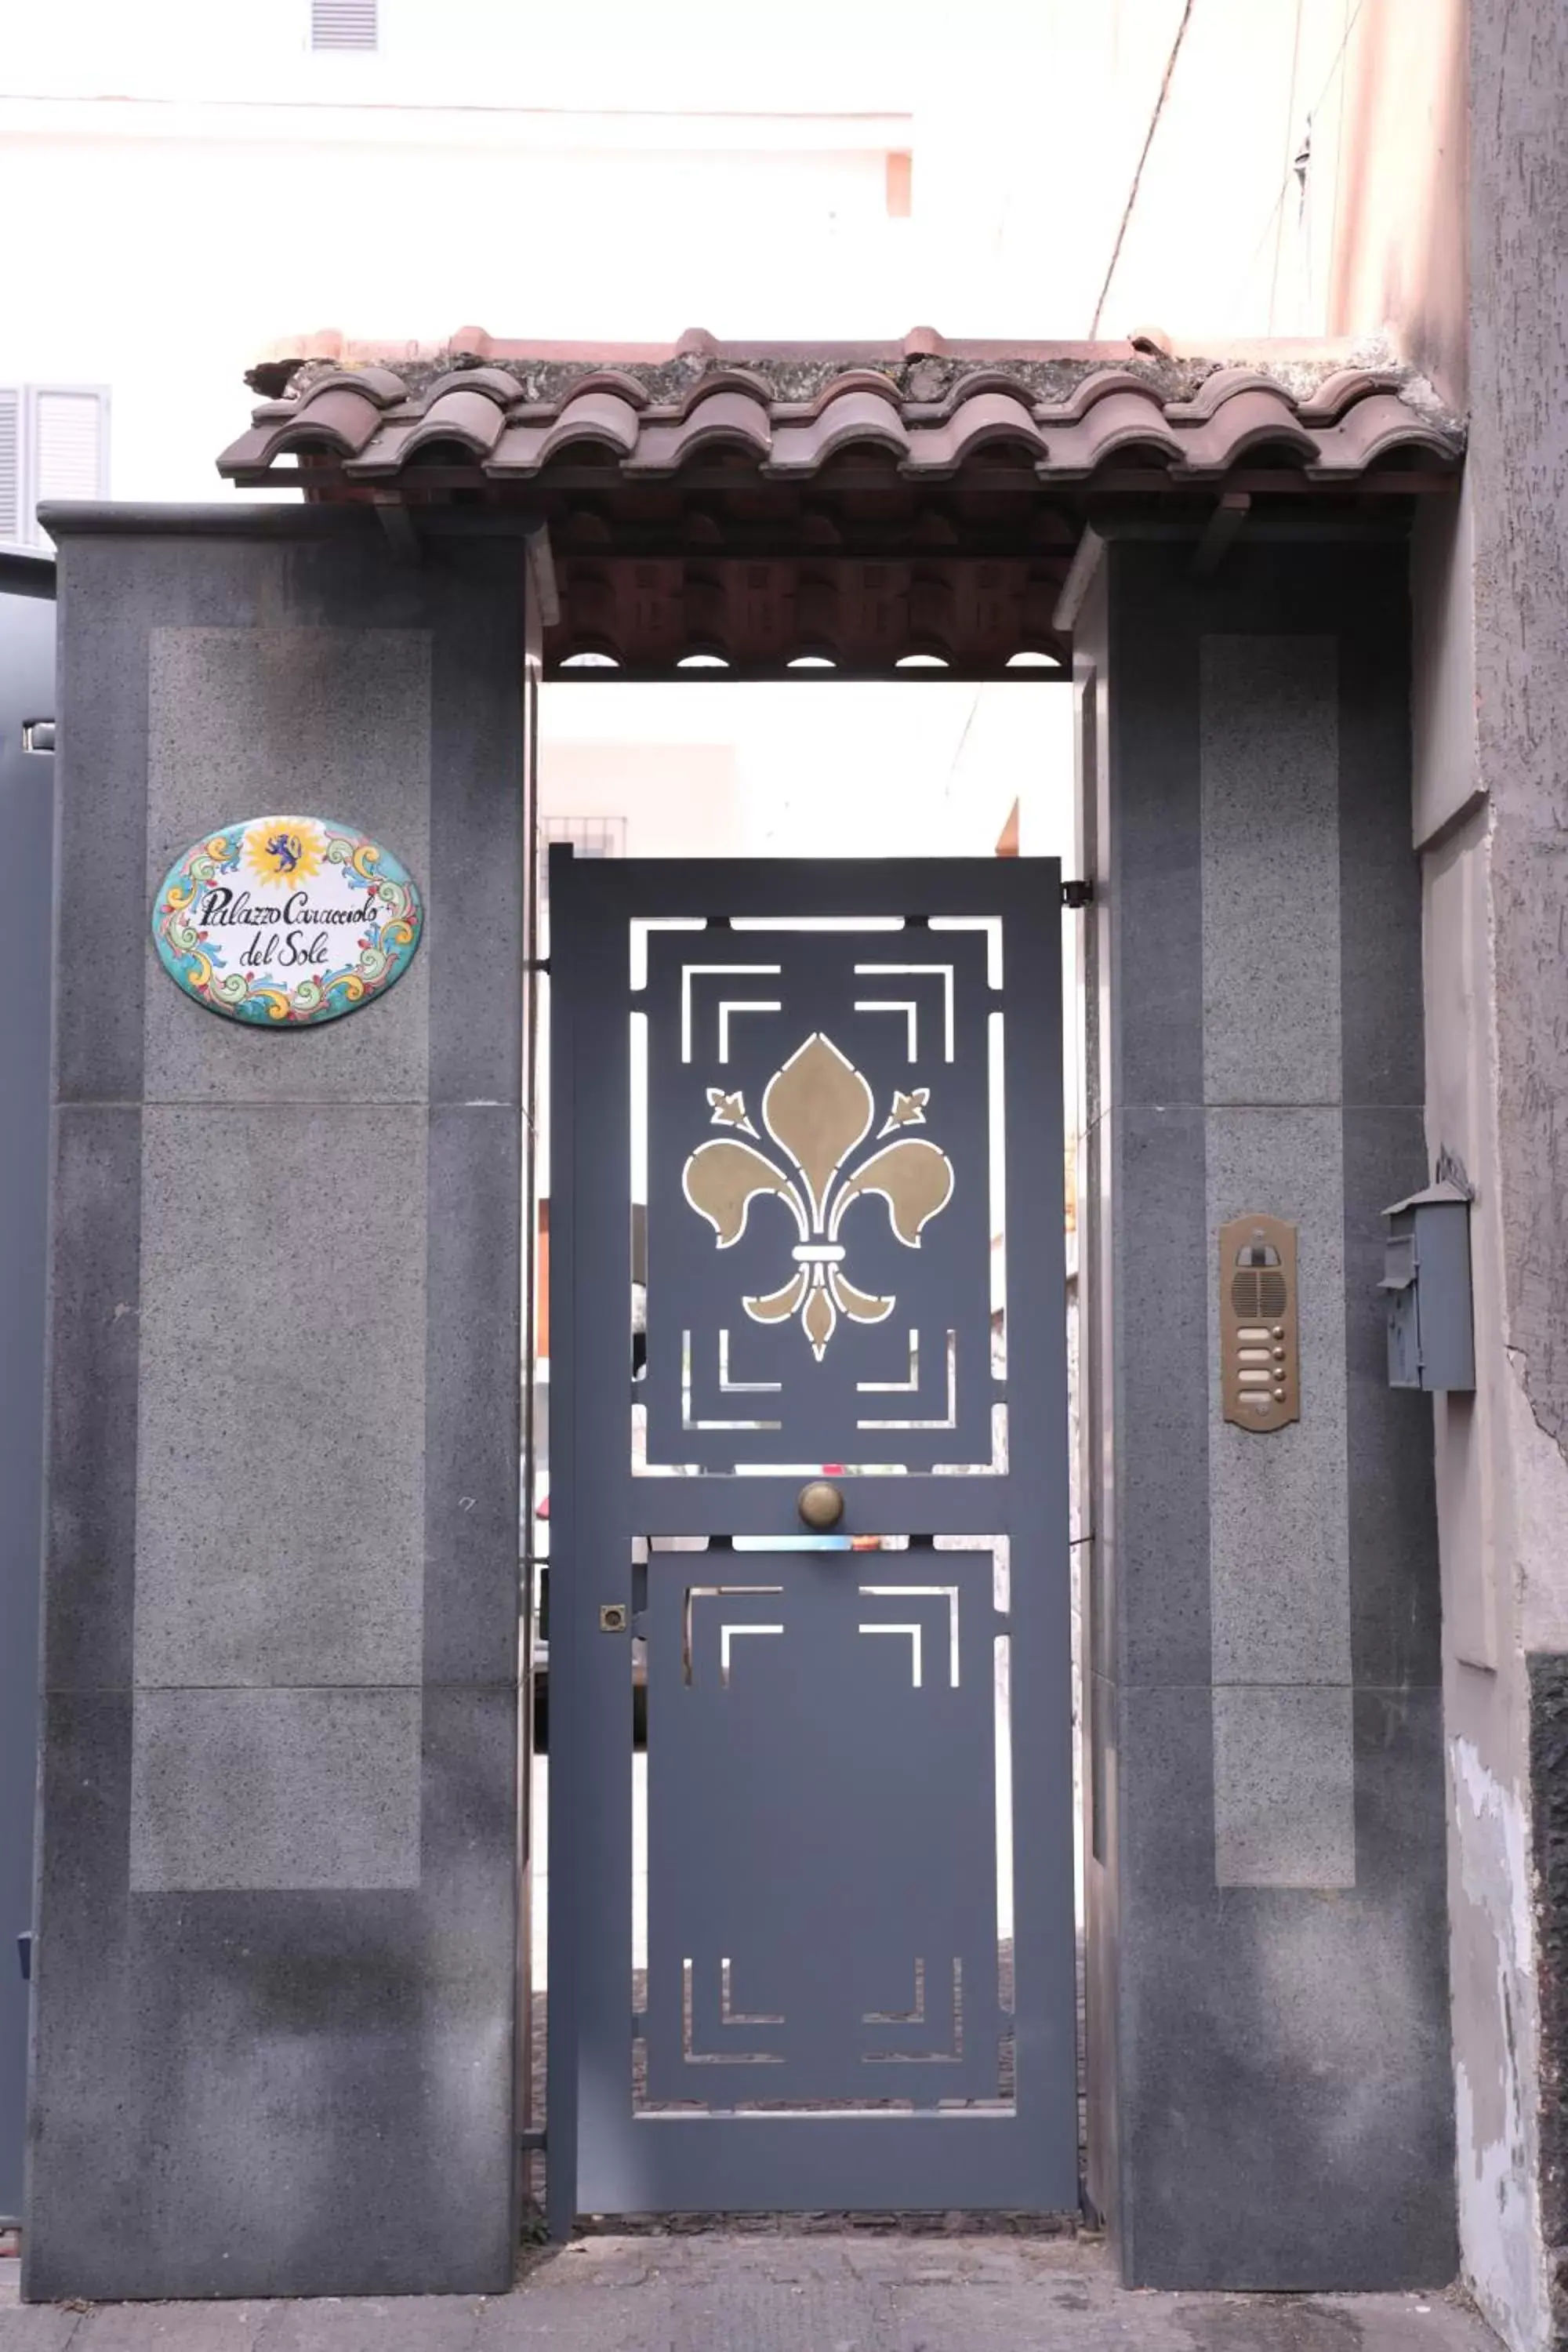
(10, 467)
(68, 439)
(343, 24)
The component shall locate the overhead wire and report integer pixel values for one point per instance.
(1311, 115)
(1142, 159)
(1289, 136)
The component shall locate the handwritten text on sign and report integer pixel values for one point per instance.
(283, 920)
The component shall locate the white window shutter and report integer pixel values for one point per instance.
(68, 445)
(343, 24)
(10, 466)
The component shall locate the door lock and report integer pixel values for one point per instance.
(613, 1617)
(821, 1506)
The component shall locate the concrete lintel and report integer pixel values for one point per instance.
(139, 519)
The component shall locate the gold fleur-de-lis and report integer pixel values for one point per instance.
(908, 1110)
(730, 1110)
(818, 1110)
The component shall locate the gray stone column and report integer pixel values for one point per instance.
(1271, 2096)
(276, 1903)
(26, 812)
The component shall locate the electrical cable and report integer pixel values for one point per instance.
(1144, 158)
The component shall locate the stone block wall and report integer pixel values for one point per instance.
(1270, 2098)
(277, 1884)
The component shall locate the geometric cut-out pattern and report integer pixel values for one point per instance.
(822, 1808)
(819, 1257)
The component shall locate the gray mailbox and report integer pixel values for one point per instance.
(1426, 1282)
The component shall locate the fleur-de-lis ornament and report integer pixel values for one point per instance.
(729, 1110)
(818, 1110)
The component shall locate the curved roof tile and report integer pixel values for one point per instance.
(494, 382)
(1099, 385)
(854, 378)
(743, 381)
(1120, 421)
(971, 385)
(1226, 383)
(602, 420)
(381, 384)
(862, 419)
(729, 416)
(472, 418)
(1336, 391)
(1369, 431)
(983, 422)
(340, 416)
(928, 405)
(1251, 417)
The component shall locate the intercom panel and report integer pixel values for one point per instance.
(1259, 1367)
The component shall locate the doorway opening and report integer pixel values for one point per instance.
(814, 767)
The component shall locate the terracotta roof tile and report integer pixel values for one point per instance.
(472, 419)
(1373, 427)
(513, 411)
(766, 504)
(730, 418)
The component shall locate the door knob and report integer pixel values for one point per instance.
(820, 1504)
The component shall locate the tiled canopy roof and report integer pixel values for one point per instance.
(865, 507)
(509, 414)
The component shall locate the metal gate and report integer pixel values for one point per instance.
(818, 1516)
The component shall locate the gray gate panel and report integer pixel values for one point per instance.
(27, 829)
(823, 1756)
(822, 1831)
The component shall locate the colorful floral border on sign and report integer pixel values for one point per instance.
(286, 920)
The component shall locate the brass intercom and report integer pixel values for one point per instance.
(1259, 1369)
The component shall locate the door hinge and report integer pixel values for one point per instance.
(1077, 894)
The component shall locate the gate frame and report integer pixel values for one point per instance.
(585, 1288)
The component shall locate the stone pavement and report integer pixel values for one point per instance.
(772, 2291)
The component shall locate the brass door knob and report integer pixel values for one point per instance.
(820, 1504)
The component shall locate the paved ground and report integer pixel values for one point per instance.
(776, 2292)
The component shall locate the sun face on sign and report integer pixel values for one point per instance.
(283, 849)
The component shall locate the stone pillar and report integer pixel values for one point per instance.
(1269, 2087)
(275, 1969)
(26, 814)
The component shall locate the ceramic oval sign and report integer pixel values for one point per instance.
(283, 920)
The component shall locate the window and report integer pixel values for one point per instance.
(10, 467)
(343, 24)
(53, 444)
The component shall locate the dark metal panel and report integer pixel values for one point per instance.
(590, 1567)
(1026, 890)
(560, 2170)
(27, 829)
(840, 1830)
(1043, 1901)
(822, 1829)
(831, 2163)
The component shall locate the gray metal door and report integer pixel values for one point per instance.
(846, 1979)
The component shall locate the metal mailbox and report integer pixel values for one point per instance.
(1427, 1282)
